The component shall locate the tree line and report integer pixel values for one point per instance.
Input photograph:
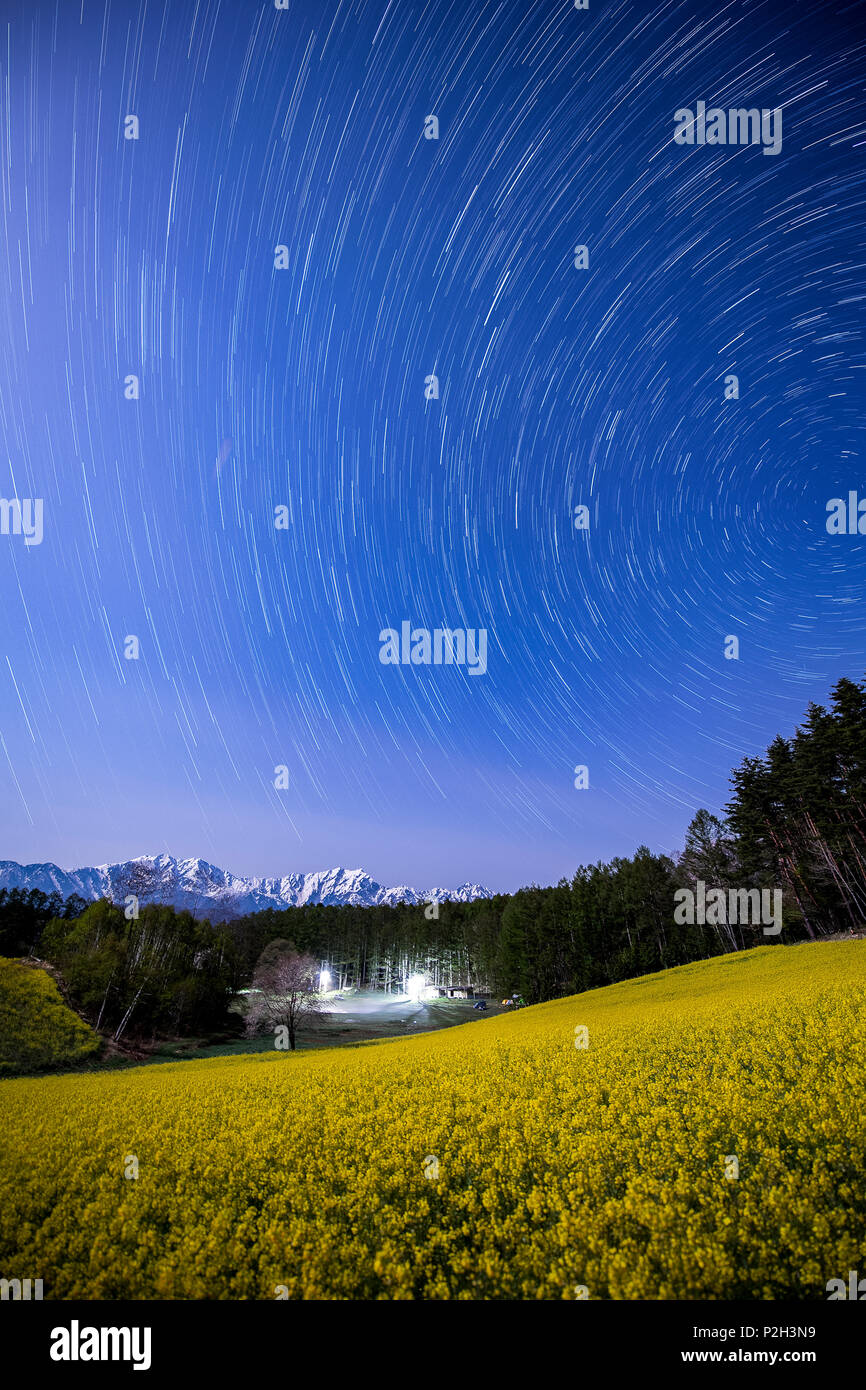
(796, 821)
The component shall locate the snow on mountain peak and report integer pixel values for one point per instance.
(212, 892)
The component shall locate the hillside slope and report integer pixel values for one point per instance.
(37, 1029)
(497, 1160)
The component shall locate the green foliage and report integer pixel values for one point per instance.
(273, 953)
(161, 973)
(23, 917)
(798, 816)
(611, 922)
(37, 1029)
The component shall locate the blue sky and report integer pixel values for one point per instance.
(305, 388)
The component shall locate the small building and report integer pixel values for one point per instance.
(433, 992)
(460, 992)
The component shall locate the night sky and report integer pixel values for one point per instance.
(304, 387)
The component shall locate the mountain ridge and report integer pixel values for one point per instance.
(206, 890)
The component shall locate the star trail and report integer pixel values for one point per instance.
(234, 253)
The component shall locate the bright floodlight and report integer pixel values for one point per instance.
(324, 979)
(415, 986)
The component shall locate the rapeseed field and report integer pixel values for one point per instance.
(37, 1029)
(498, 1160)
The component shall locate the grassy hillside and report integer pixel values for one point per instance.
(558, 1166)
(37, 1029)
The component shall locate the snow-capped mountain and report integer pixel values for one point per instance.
(214, 893)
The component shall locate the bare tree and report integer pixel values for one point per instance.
(140, 879)
(286, 994)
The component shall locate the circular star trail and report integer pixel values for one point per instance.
(304, 388)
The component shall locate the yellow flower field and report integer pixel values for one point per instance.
(560, 1168)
